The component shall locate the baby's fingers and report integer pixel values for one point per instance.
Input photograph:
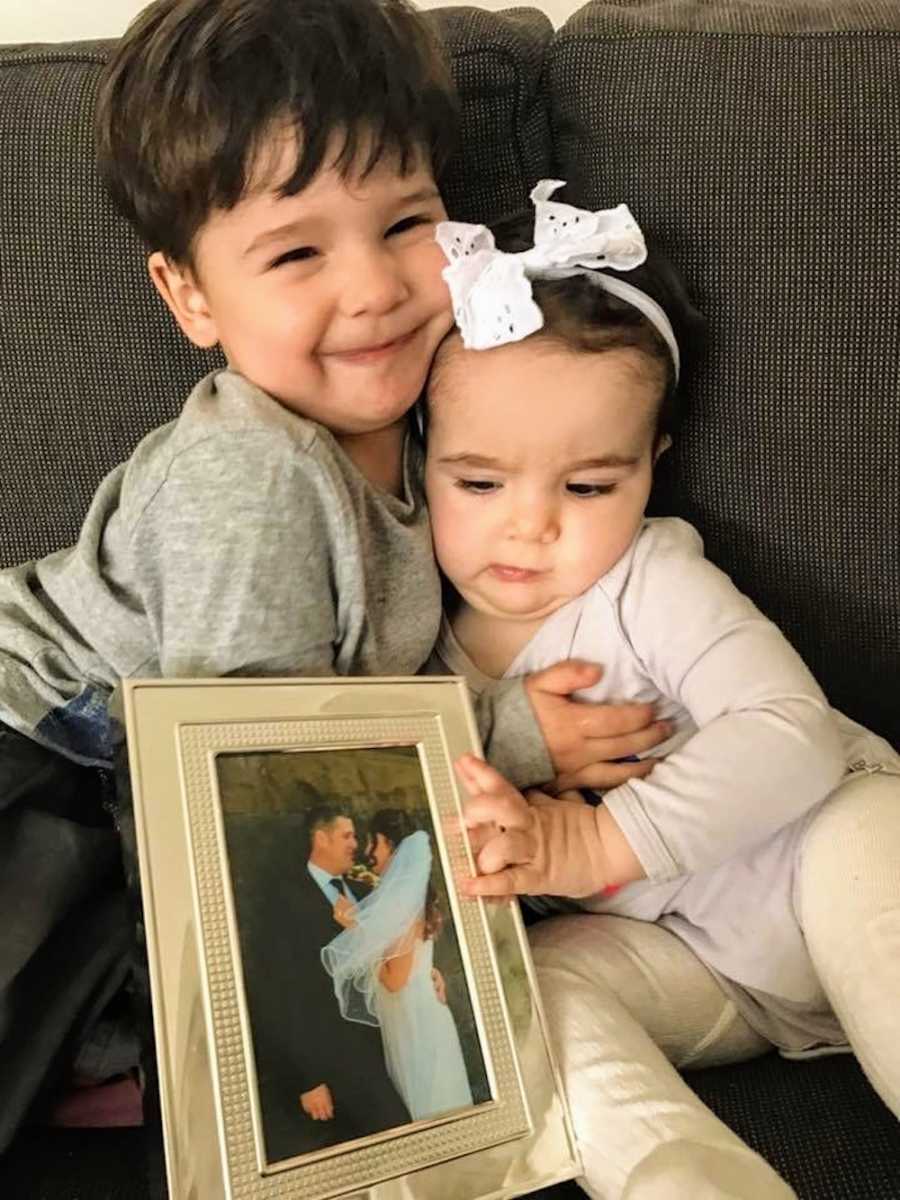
(479, 776)
(508, 849)
(493, 800)
(514, 881)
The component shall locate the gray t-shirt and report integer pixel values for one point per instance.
(238, 540)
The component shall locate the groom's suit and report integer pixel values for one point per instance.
(300, 1038)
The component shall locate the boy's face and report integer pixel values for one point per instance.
(332, 300)
(539, 468)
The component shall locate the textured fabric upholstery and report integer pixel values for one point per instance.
(504, 144)
(90, 359)
(758, 142)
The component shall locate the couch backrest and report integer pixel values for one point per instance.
(758, 143)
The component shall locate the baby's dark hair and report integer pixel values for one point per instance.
(580, 316)
(196, 87)
(395, 824)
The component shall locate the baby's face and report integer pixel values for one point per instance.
(539, 468)
(332, 300)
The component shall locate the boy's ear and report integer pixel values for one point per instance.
(664, 443)
(186, 301)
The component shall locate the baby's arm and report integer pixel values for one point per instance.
(233, 558)
(532, 847)
(767, 747)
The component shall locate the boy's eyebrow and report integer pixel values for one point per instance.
(582, 464)
(290, 229)
(419, 196)
(294, 228)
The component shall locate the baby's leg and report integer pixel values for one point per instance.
(627, 1002)
(850, 912)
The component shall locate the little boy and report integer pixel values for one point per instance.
(279, 159)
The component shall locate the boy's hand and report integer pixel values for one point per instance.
(585, 739)
(547, 846)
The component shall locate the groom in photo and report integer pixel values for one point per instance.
(322, 1079)
(344, 1080)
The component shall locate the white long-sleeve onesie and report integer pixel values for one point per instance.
(720, 822)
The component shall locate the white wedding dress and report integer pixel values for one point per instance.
(422, 1051)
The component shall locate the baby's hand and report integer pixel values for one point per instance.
(549, 847)
(584, 739)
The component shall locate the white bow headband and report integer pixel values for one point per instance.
(491, 290)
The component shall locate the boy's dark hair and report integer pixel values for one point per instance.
(583, 317)
(196, 87)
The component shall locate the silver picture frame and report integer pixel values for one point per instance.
(226, 776)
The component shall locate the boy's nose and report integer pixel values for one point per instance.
(372, 284)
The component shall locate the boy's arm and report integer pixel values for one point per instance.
(233, 555)
(767, 746)
(510, 733)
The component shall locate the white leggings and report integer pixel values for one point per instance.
(627, 1003)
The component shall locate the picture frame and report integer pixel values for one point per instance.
(332, 1019)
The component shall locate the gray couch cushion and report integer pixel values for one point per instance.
(505, 140)
(89, 358)
(758, 142)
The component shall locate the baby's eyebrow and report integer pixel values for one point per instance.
(605, 461)
(469, 460)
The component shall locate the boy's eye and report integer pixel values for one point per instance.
(481, 487)
(298, 254)
(408, 223)
(590, 489)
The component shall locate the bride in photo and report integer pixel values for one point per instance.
(382, 970)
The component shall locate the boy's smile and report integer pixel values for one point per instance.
(330, 300)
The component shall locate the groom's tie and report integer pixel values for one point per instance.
(338, 881)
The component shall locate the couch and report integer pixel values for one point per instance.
(758, 142)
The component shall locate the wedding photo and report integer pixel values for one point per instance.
(360, 1014)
